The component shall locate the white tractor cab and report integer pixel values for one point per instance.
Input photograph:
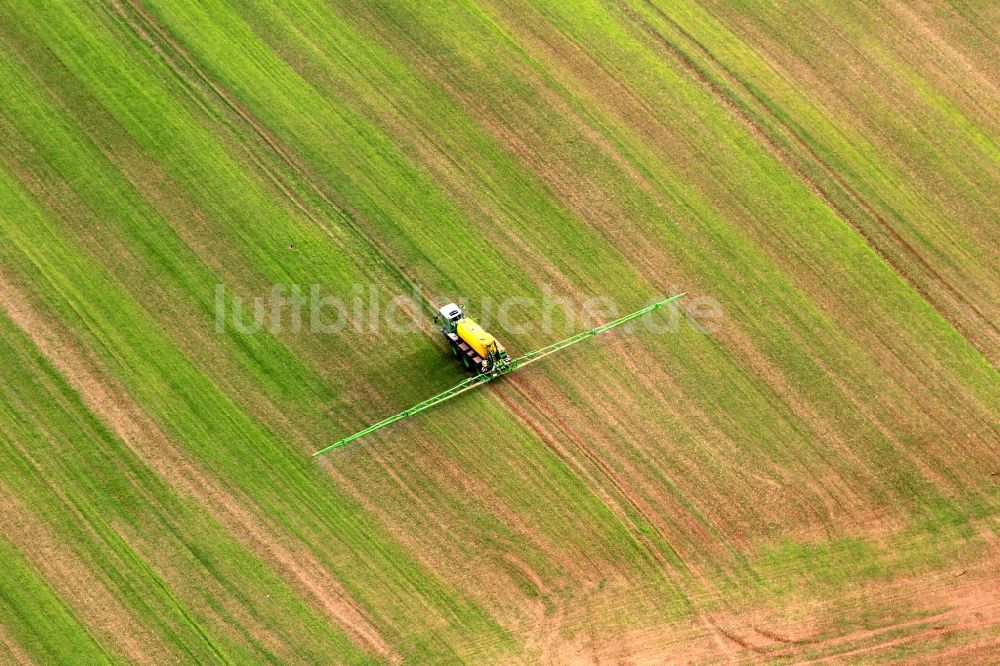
(448, 317)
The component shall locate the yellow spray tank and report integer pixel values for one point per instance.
(476, 337)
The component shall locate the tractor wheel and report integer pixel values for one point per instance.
(454, 349)
(466, 362)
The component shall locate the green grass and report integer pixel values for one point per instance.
(41, 623)
(486, 149)
(119, 516)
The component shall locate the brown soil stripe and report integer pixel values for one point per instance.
(293, 561)
(12, 650)
(76, 583)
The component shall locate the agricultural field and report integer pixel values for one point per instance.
(816, 477)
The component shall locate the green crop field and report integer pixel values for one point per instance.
(807, 466)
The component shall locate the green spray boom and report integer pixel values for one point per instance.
(478, 380)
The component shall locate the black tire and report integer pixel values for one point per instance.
(466, 362)
(454, 348)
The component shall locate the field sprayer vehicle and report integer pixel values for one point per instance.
(480, 352)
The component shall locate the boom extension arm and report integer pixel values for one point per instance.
(531, 357)
(461, 387)
(473, 382)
